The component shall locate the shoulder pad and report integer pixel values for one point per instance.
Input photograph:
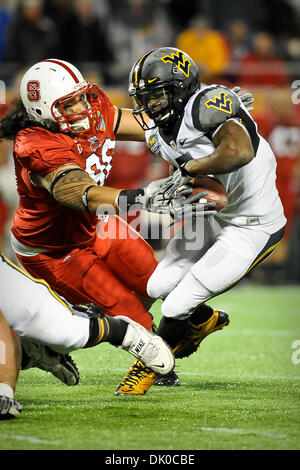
(214, 106)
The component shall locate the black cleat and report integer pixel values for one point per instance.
(169, 380)
(196, 333)
(60, 365)
(9, 408)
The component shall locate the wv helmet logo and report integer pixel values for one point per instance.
(180, 61)
(220, 102)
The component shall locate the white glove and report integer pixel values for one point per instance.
(174, 182)
(158, 194)
(183, 207)
(247, 98)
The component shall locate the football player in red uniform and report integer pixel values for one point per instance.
(64, 130)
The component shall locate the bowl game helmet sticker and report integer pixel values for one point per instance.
(154, 146)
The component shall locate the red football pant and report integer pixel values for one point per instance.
(110, 273)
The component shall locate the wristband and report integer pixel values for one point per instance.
(129, 197)
(84, 198)
(184, 172)
(182, 161)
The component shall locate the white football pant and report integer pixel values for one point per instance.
(205, 260)
(33, 310)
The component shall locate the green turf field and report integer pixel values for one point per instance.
(240, 391)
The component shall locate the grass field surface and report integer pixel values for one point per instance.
(240, 391)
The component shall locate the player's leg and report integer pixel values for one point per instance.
(34, 310)
(45, 321)
(228, 260)
(126, 334)
(188, 245)
(235, 253)
(129, 257)
(82, 277)
(183, 251)
(10, 359)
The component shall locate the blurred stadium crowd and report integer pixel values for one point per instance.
(251, 43)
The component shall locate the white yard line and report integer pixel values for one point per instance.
(203, 374)
(32, 439)
(232, 376)
(268, 434)
(262, 332)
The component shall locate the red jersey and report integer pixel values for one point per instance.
(40, 221)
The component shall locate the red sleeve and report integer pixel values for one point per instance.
(41, 151)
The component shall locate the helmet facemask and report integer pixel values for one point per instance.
(161, 83)
(75, 122)
(156, 103)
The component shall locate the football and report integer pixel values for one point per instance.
(215, 189)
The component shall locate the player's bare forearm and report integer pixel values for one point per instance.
(129, 129)
(233, 150)
(74, 188)
(102, 196)
(78, 191)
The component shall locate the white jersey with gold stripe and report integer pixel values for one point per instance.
(253, 197)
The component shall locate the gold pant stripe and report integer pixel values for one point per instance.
(39, 281)
(101, 330)
(268, 251)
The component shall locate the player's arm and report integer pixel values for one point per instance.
(126, 127)
(73, 187)
(217, 112)
(233, 149)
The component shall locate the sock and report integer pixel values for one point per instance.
(201, 314)
(172, 330)
(106, 329)
(117, 330)
(6, 390)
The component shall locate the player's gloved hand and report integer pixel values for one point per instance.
(247, 98)
(183, 207)
(173, 183)
(156, 196)
(154, 192)
(159, 201)
(146, 198)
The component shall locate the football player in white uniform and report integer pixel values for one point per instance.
(47, 329)
(10, 363)
(203, 130)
